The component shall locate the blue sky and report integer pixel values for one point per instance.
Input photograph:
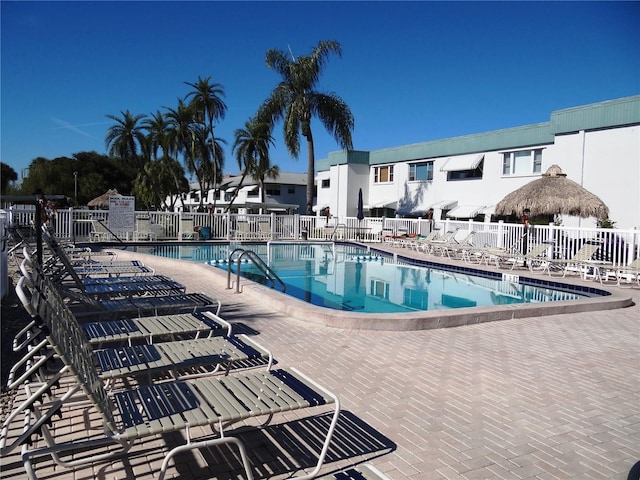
(410, 71)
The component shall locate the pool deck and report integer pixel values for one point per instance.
(541, 397)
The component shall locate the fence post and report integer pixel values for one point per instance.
(296, 226)
(272, 230)
(70, 225)
(632, 246)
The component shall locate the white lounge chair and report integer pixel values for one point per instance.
(112, 286)
(579, 263)
(99, 232)
(131, 415)
(535, 259)
(627, 274)
(424, 244)
(459, 249)
(143, 230)
(264, 231)
(242, 231)
(187, 229)
(440, 243)
(180, 359)
(60, 263)
(186, 325)
(85, 305)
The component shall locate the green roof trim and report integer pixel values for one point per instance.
(537, 134)
(611, 113)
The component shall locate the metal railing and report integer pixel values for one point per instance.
(260, 264)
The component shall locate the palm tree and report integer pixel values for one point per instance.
(157, 129)
(207, 101)
(124, 138)
(7, 175)
(296, 101)
(182, 134)
(207, 170)
(251, 147)
(166, 175)
(188, 136)
(159, 180)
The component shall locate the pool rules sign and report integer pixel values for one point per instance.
(122, 214)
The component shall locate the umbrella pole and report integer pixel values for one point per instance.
(525, 236)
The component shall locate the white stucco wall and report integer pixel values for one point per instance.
(606, 162)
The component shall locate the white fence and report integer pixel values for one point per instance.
(619, 246)
(4, 250)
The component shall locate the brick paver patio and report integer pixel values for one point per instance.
(554, 397)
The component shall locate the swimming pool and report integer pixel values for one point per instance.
(351, 278)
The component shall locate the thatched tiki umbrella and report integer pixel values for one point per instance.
(553, 194)
(103, 200)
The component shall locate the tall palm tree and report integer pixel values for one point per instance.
(125, 138)
(166, 174)
(206, 98)
(157, 128)
(208, 171)
(296, 101)
(182, 135)
(251, 146)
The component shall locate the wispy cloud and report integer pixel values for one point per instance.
(76, 128)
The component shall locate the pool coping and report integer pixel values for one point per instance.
(426, 319)
(614, 298)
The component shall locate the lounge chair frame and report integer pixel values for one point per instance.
(579, 263)
(178, 326)
(130, 415)
(628, 273)
(178, 359)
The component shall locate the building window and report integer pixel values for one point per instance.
(254, 193)
(422, 171)
(466, 174)
(273, 191)
(522, 162)
(326, 183)
(379, 289)
(383, 174)
(291, 190)
(416, 298)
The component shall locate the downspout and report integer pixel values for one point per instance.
(338, 195)
(583, 133)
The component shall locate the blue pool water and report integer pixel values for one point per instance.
(348, 277)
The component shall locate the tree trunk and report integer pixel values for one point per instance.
(310, 173)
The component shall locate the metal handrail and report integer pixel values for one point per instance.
(99, 220)
(267, 271)
(335, 229)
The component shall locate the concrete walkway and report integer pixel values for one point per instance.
(555, 397)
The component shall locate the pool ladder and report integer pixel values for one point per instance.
(268, 273)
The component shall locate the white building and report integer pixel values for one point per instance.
(284, 194)
(597, 146)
